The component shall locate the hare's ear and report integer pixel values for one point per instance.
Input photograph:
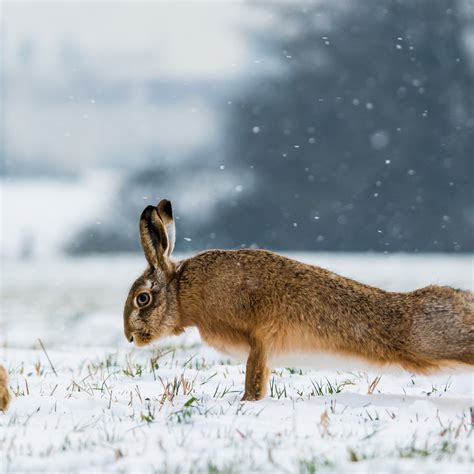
(154, 238)
(165, 211)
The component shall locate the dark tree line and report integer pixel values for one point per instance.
(367, 139)
(363, 139)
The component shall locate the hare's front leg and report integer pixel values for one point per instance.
(257, 372)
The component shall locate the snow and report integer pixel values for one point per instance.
(175, 407)
(56, 210)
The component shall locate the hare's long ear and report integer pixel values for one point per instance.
(165, 211)
(154, 238)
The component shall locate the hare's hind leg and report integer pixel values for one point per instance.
(257, 372)
(4, 393)
(459, 328)
(442, 332)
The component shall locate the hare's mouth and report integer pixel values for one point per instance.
(141, 338)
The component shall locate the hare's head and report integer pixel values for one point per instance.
(151, 310)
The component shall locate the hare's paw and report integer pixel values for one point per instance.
(255, 392)
(252, 397)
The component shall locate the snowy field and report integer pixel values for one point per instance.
(89, 402)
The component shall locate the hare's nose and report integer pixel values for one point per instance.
(128, 332)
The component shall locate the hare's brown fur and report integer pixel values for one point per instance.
(4, 393)
(264, 305)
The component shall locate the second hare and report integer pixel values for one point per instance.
(274, 311)
(4, 393)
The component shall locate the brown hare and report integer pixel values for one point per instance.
(276, 312)
(4, 393)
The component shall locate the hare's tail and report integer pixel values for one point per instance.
(443, 325)
(4, 393)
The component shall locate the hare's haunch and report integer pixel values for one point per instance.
(270, 309)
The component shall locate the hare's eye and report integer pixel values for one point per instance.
(143, 299)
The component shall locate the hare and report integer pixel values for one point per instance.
(271, 309)
(4, 393)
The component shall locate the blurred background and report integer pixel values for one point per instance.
(309, 126)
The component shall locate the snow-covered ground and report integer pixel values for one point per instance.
(91, 402)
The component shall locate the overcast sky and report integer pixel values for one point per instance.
(54, 112)
(193, 39)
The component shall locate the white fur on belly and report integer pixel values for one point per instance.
(313, 360)
(320, 360)
(332, 361)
